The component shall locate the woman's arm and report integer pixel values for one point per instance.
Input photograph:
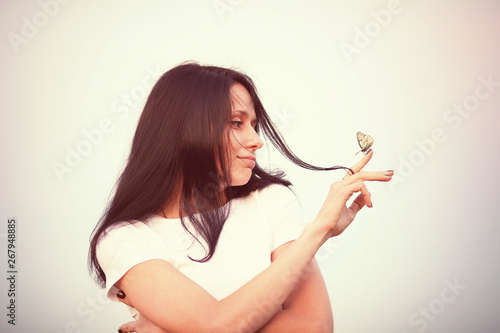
(177, 304)
(307, 308)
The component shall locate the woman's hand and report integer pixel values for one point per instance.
(141, 325)
(175, 303)
(334, 215)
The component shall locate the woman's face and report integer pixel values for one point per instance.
(243, 138)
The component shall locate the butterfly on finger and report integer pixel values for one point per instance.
(365, 142)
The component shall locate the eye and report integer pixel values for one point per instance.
(236, 123)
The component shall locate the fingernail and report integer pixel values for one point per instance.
(120, 294)
(120, 330)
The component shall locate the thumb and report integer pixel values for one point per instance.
(127, 327)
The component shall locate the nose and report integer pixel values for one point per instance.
(253, 141)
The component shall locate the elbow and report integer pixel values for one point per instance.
(216, 325)
(221, 324)
(226, 324)
(322, 326)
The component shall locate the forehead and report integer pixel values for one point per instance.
(240, 99)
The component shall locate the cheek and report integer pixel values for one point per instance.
(234, 141)
(230, 145)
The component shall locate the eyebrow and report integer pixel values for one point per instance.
(246, 114)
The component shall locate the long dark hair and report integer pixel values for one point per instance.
(180, 144)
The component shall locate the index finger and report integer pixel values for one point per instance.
(361, 163)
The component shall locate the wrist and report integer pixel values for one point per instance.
(316, 233)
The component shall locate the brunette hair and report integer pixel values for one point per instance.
(180, 145)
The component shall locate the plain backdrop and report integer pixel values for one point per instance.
(421, 77)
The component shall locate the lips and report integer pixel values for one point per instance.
(249, 160)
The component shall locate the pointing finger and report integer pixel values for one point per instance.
(361, 163)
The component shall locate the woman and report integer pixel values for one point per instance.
(199, 238)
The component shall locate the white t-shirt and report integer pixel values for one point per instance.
(257, 224)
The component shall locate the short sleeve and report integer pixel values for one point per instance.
(284, 212)
(124, 247)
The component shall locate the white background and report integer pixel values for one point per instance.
(69, 68)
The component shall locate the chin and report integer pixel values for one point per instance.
(241, 179)
(239, 182)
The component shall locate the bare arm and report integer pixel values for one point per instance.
(177, 304)
(307, 308)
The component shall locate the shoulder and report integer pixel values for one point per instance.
(125, 234)
(276, 199)
(267, 201)
(123, 230)
(276, 193)
(125, 245)
(273, 188)
(283, 213)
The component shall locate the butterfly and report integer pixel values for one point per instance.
(365, 142)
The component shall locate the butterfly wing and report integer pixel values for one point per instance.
(360, 136)
(365, 141)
